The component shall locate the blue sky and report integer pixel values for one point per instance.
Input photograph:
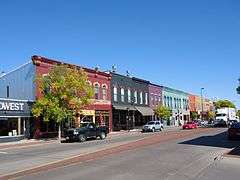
(185, 44)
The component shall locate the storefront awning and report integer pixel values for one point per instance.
(130, 108)
(145, 111)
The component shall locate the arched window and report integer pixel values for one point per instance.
(104, 92)
(96, 91)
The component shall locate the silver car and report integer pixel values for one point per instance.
(152, 126)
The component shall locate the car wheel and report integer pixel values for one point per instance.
(82, 138)
(102, 135)
(153, 129)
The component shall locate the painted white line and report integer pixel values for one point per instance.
(2, 152)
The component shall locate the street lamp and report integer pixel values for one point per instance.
(202, 102)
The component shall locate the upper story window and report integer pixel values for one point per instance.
(135, 97)
(8, 92)
(115, 94)
(129, 96)
(96, 91)
(146, 98)
(141, 97)
(104, 92)
(122, 94)
(168, 101)
(165, 101)
(171, 103)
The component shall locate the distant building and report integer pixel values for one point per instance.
(178, 102)
(155, 97)
(130, 100)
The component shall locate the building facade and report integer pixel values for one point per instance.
(178, 102)
(130, 100)
(155, 97)
(17, 94)
(100, 111)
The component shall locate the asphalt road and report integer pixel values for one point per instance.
(18, 159)
(195, 157)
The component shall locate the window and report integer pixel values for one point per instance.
(175, 103)
(146, 98)
(156, 99)
(171, 103)
(115, 95)
(141, 98)
(165, 100)
(135, 97)
(168, 102)
(122, 94)
(104, 92)
(129, 95)
(8, 92)
(96, 91)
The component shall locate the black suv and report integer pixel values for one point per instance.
(87, 130)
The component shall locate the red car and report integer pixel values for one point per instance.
(234, 131)
(190, 125)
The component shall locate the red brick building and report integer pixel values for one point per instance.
(101, 110)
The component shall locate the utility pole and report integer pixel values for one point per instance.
(202, 102)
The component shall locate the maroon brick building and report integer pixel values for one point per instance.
(101, 110)
(155, 96)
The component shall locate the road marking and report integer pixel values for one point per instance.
(2, 152)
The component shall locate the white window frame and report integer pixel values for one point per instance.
(141, 97)
(115, 94)
(129, 96)
(122, 92)
(146, 98)
(135, 97)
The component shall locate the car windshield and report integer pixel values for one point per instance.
(150, 123)
(84, 125)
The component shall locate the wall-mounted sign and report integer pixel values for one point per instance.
(13, 108)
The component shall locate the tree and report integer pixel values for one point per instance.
(224, 103)
(163, 112)
(194, 115)
(65, 92)
(211, 115)
(238, 113)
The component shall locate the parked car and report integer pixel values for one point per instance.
(234, 131)
(152, 126)
(219, 123)
(190, 125)
(231, 122)
(86, 131)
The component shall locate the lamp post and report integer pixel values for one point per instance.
(202, 102)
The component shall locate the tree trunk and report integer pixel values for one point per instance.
(59, 132)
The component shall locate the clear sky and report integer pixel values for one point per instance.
(184, 44)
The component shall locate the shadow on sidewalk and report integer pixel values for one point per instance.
(219, 140)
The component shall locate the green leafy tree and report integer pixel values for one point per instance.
(224, 103)
(194, 115)
(238, 113)
(211, 115)
(65, 92)
(163, 112)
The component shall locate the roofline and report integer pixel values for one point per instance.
(17, 100)
(19, 67)
(36, 58)
(165, 87)
(155, 85)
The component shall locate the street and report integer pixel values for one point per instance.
(193, 154)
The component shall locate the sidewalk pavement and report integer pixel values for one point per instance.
(32, 142)
(25, 142)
